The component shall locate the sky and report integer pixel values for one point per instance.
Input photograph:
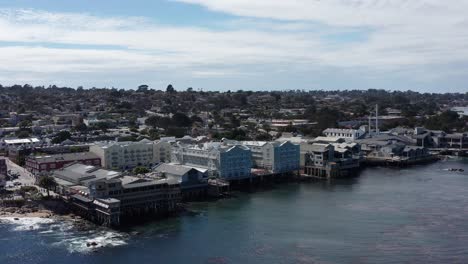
(419, 45)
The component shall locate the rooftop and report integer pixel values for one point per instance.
(64, 157)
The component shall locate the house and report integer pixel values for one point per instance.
(38, 165)
(125, 155)
(221, 160)
(276, 156)
(193, 181)
(162, 150)
(461, 111)
(9, 143)
(93, 190)
(324, 160)
(347, 134)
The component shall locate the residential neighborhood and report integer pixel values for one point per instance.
(145, 152)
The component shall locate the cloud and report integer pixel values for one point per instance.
(344, 12)
(272, 37)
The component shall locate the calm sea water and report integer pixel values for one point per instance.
(414, 215)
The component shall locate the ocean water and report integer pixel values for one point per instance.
(412, 215)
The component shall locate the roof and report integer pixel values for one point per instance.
(64, 157)
(328, 139)
(81, 198)
(80, 173)
(316, 147)
(176, 169)
(123, 144)
(340, 130)
(21, 141)
(144, 183)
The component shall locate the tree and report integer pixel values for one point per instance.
(196, 119)
(142, 88)
(22, 134)
(47, 182)
(263, 137)
(170, 89)
(81, 127)
(141, 170)
(61, 136)
(181, 120)
(158, 121)
(24, 124)
(77, 107)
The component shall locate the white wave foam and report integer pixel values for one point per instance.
(66, 235)
(80, 242)
(27, 223)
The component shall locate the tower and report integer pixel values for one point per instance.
(377, 119)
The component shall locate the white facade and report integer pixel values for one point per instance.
(461, 111)
(162, 150)
(347, 134)
(6, 144)
(228, 162)
(125, 155)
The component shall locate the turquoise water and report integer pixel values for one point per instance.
(414, 215)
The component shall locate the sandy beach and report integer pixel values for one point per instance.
(39, 213)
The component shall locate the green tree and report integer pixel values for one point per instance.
(48, 183)
(141, 170)
(23, 134)
(170, 89)
(81, 127)
(181, 120)
(61, 136)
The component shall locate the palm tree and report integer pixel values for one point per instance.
(48, 183)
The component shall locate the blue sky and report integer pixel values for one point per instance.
(236, 44)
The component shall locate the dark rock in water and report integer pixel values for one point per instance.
(16, 218)
(91, 244)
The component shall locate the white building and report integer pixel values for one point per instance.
(347, 134)
(228, 162)
(125, 155)
(277, 157)
(162, 149)
(461, 111)
(6, 144)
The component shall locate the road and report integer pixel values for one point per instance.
(25, 178)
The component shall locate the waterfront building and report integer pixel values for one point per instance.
(84, 184)
(395, 149)
(125, 155)
(193, 181)
(347, 134)
(275, 157)
(324, 160)
(162, 149)
(38, 165)
(221, 160)
(440, 139)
